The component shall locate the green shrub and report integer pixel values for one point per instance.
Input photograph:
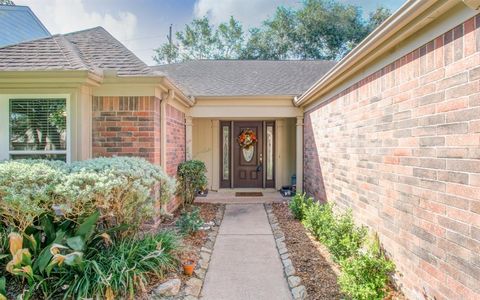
(338, 232)
(299, 204)
(347, 238)
(365, 276)
(190, 222)
(191, 178)
(319, 220)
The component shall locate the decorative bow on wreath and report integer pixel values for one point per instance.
(247, 138)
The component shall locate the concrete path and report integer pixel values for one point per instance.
(245, 263)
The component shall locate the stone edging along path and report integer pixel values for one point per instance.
(294, 282)
(193, 286)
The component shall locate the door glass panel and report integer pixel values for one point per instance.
(269, 152)
(226, 153)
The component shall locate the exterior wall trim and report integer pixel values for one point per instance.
(406, 21)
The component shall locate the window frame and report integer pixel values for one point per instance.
(5, 152)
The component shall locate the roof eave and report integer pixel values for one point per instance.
(262, 96)
(404, 22)
(185, 99)
(44, 77)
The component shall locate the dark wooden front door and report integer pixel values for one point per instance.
(248, 172)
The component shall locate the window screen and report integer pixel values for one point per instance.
(38, 128)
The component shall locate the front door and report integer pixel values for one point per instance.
(248, 154)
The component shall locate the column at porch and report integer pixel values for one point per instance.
(279, 156)
(188, 137)
(215, 155)
(299, 154)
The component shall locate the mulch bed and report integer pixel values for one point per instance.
(310, 258)
(191, 243)
(312, 261)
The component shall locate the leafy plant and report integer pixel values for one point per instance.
(122, 269)
(299, 205)
(347, 238)
(365, 276)
(190, 222)
(320, 220)
(338, 232)
(191, 178)
(68, 221)
(3, 288)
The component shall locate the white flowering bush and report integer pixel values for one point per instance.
(124, 190)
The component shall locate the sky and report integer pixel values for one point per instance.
(142, 25)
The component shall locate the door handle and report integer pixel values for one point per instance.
(260, 166)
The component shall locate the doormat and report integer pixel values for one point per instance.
(248, 194)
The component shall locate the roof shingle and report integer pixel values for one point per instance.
(92, 49)
(245, 77)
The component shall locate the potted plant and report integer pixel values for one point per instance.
(188, 267)
(203, 191)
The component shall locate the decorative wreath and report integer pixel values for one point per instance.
(247, 138)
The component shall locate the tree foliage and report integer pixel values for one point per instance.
(319, 29)
(6, 2)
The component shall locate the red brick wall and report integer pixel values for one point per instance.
(402, 149)
(126, 126)
(175, 139)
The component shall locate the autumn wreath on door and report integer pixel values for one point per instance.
(247, 139)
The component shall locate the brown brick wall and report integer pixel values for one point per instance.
(402, 149)
(126, 126)
(175, 139)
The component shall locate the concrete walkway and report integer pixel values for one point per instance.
(245, 263)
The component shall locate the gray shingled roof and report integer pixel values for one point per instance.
(245, 77)
(92, 49)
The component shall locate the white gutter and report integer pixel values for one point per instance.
(372, 46)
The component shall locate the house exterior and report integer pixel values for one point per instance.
(19, 24)
(392, 131)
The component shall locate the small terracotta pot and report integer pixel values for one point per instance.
(188, 267)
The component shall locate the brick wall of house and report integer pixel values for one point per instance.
(175, 139)
(402, 149)
(126, 126)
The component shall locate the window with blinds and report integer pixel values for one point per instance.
(38, 128)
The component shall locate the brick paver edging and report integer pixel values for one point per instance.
(294, 282)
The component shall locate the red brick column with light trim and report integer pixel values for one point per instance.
(175, 139)
(401, 148)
